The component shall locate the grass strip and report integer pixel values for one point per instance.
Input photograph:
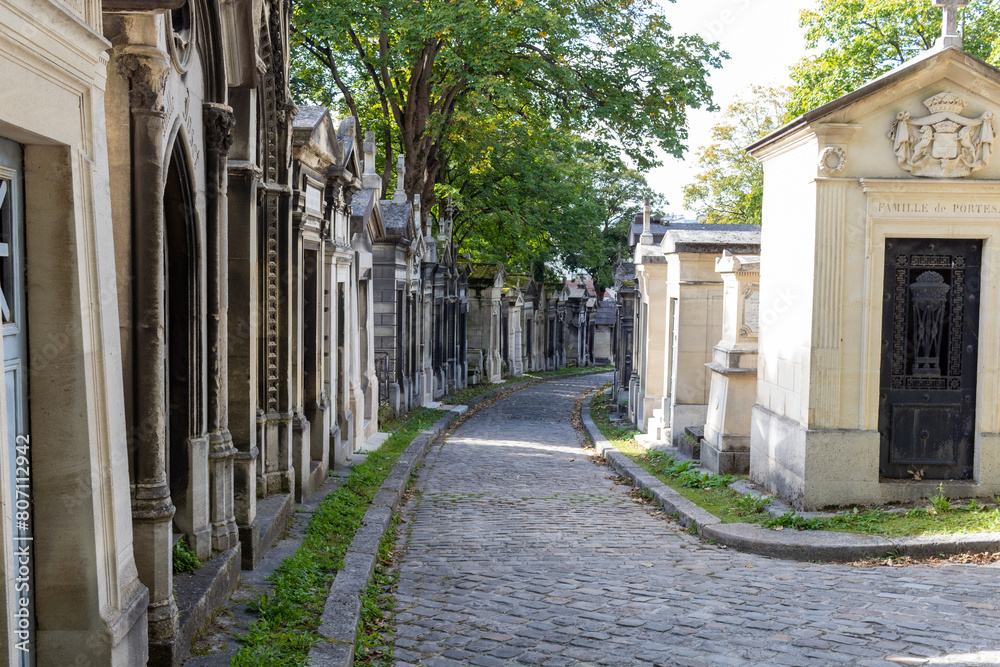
(707, 491)
(290, 614)
(375, 630)
(941, 516)
(956, 520)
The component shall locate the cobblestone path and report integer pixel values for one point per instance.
(522, 551)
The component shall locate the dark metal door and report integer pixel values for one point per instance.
(930, 346)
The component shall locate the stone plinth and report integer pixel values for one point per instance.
(725, 446)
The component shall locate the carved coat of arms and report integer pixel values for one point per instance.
(944, 144)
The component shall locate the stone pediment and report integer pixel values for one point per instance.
(931, 117)
(314, 138)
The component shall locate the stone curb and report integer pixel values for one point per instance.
(339, 623)
(802, 545)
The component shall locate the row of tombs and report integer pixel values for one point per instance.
(208, 294)
(846, 351)
(207, 297)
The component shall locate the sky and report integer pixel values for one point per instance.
(763, 39)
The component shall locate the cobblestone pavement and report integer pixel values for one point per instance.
(520, 550)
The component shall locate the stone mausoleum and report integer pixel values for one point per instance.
(879, 343)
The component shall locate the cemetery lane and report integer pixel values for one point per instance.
(518, 549)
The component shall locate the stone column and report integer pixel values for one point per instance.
(725, 447)
(152, 509)
(325, 440)
(243, 325)
(277, 310)
(300, 463)
(219, 122)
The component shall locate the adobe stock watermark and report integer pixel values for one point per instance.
(23, 557)
(726, 17)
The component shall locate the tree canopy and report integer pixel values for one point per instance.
(546, 196)
(863, 39)
(857, 41)
(729, 187)
(464, 87)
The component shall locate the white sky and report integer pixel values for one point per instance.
(762, 37)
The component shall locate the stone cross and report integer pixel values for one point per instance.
(949, 22)
(418, 217)
(647, 236)
(445, 232)
(399, 196)
(369, 150)
(369, 179)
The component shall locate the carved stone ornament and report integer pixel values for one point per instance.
(146, 84)
(944, 144)
(832, 160)
(219, 123)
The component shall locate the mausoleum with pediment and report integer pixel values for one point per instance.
(879, 345)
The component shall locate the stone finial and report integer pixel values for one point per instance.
(418, 220)
(399, 196)
(647, 236)
(370, 180)
(949, 23)
(445, 230)
(369, 150)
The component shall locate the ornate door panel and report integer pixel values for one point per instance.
(930, 346)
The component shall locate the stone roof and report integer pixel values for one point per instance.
(580, 288)
(517, 280)
(484, 270)
(738, 239)
(361, 202)
(309, 116)
(623, 271)
(656, 228)
(396, 216)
